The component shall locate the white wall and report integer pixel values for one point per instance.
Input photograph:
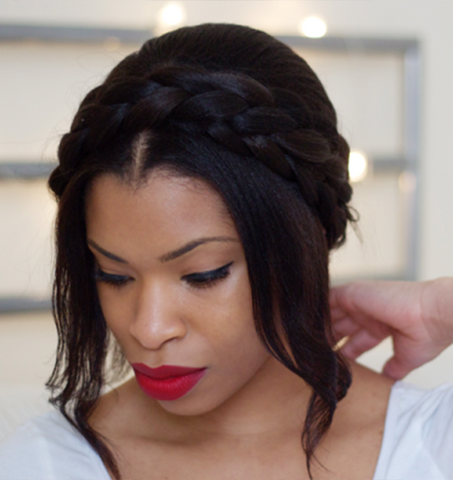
(429, 21)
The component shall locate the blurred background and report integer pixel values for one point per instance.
(386, 67)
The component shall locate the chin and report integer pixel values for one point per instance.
(190, 407)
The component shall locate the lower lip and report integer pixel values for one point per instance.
(170, 388)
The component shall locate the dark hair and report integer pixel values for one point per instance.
(240, 110)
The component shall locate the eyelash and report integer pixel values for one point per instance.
(209, 278)
(110, 279)
(195, 280)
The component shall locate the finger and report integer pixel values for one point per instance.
(337, 313)
(342, 295)
(344, 327)
(359, 343)
(397, 369)
(349, 325)
(409, 354)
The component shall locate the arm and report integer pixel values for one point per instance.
(418, 315)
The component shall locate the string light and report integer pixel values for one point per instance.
(358, 166)
(313, 27)
(171, 15)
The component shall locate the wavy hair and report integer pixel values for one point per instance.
(240, 110)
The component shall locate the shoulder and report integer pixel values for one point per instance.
(49, 447)
(418, 435)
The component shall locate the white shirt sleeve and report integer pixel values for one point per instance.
(49, 448)
(418, 435)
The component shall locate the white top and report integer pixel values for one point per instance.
(417, 443)
(49, 448)
(418, 434)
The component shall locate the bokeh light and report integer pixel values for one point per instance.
(313, 27)
(358, 166)
(171, 15)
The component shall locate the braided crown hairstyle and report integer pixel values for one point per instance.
(240, 110)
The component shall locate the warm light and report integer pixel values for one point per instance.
(313, 27)
(172, 15)
(358, 166)
(112, 43)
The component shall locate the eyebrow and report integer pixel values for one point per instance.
(170, 255)
(105, 252)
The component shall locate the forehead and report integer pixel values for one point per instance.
(164, 206)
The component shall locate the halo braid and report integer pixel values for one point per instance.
(235, 110)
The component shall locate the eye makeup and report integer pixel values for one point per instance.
(195, 280)
(111, 279)
(208, 278)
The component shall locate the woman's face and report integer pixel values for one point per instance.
(174, 289)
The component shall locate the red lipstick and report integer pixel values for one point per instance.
(167, 382)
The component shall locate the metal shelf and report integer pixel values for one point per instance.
(71, 34)
(34, 170)
(409, 49)
(353, 44)
(23, 305)
(25, 170)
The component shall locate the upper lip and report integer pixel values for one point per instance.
(164, 371)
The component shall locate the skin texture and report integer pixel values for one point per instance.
(244, 419)
(418, 316)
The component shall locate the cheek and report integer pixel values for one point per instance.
(235, 357)
(241, 358)
(229, 328)
(241, 346)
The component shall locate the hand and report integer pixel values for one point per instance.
(417, 315)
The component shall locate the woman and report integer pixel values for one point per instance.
(200, 190)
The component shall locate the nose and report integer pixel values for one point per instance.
(159, 318)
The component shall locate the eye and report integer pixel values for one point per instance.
(111, 279)
(209, 278)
